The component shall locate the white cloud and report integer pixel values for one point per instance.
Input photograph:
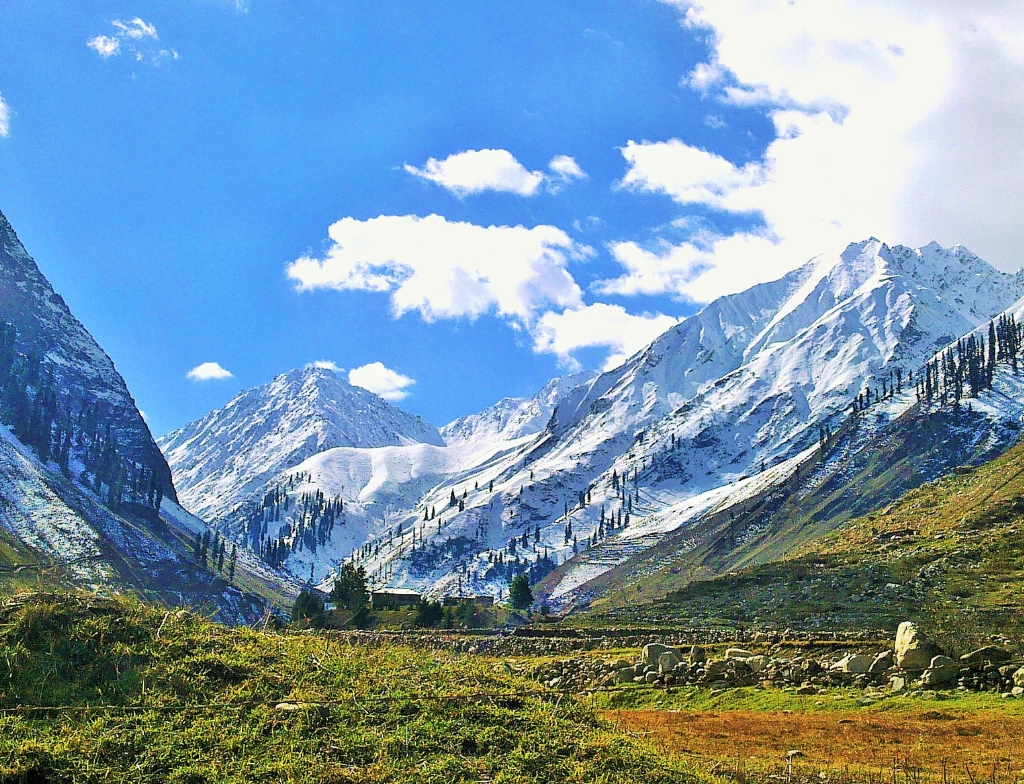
(105, 46)
(476, 171)
(327, 364)
(705, 76)
(381, 380)
(598, 326)
(448, 269)
(5, 118)
(136, 36)
(208, 371)
(566, 168)
(894, 118)
(136, 29)
(687, 174)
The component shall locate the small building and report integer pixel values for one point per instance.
(394, 598)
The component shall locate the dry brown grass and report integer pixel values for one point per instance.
(928, 745)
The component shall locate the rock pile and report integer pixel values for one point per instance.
(914, 662)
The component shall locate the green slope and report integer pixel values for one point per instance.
(95, 690)
(949, 554)
(860, 473)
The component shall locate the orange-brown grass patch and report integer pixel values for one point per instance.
(941, 746)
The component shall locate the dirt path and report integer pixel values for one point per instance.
(968, 745)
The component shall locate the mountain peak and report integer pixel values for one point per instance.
(219, 459)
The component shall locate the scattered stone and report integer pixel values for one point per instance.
(897, 683)
(737, 653)
(1018, 677)
(857, 663)
(668, 661)
(913, 650)
(698, 655)
(1017, 691)
(757, 663)
(625, 675)
(882, 662)
(807, 689)
(941, 671)
(653, 652)
(990, 654)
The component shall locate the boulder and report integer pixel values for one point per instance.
(668, 661)
(856, 663)
(913, 650)
(653, 651)
(810, 667)
(897, 683)
(941, 671)
(737, 653)
(757, 663)
(698, 655)
(716, 668)
(881, 663)
(990, 654)
(651, 677)
(1018, 677)
(625, 675)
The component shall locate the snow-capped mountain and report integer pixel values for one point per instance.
(721, 406)
(514, 417)
(86, 497)
(221, 459)
(715, 412)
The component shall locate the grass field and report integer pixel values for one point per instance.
(100, 690)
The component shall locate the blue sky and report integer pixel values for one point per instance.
(176, 169)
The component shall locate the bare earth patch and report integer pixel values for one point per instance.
(941, 745)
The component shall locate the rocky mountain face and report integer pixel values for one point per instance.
(221, 459)
(60, 386)
(86, 497)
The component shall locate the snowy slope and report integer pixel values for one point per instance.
(219, 460)
(514, 417)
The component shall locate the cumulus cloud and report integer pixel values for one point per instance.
(208, 371)
(894, 118)
(137, 37)
(381, 380)
(688, 174)
(5, 118)
(105, 46)
(598, 326)
(476, 171)
(445, 269)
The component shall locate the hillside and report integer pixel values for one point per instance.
(152, 696)
(948, 553)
